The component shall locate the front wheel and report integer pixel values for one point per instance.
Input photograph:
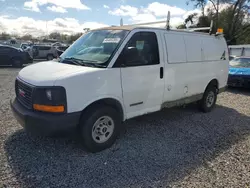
(99, 128)
(208, 101)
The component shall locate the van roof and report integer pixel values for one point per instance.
(131, 27)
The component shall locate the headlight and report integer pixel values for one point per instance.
(50, 99)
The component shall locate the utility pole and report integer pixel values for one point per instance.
(217, 14)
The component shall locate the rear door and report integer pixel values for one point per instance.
(35, 52)
(5, 55)
(43, 51)
(142, 74)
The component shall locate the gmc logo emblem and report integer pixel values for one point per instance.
(21, 92)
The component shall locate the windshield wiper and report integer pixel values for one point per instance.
(93, 63)
(87, 63)
(72, 60)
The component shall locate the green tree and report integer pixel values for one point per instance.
(182, 26)
(215, 4)
(55, 35)
(191, 18)
(26, 37)
(233, 19)
(5, 36)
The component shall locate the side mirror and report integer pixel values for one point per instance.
(128, 56)
(132, 56)
(131, 51)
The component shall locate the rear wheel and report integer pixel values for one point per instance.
(99, 128)
(209, 99)
(17, 62)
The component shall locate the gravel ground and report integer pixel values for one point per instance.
(179, 147)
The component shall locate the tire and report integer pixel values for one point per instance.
(50, 57)
(17, 62)
(94, 133)
(209, 99)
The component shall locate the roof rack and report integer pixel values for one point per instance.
(209, 29)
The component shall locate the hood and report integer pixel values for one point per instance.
(239, 71)
(46, 73)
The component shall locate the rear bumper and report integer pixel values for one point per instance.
(44, 124)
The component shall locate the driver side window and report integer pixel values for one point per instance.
(141, 50)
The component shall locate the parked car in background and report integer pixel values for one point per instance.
(14, 56)
(61, 49)
(44, 52)
(231, 57)
(239, 72)
(27, 47)
(57, 44)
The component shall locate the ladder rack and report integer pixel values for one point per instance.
(209, 29)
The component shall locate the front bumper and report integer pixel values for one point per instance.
(239, 81)
(44, 124)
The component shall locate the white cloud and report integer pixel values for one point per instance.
(124, 11)
(153, 12)
(27, 25)
(158, 12)
(57, 9)
(161, 10)
(106, 6)
(2, 0)
(139, 18)
(33, 5)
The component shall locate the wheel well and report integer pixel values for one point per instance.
(214, 83)
(108, 102)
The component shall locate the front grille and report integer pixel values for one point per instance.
(24, 93)
(241, 81)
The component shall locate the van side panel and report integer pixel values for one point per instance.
(206, 59)
(216, 58)
(174, 72)
(193, 48)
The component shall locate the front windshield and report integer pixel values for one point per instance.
(240, 62)
(95, 47)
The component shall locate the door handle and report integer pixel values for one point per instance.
(161, 72)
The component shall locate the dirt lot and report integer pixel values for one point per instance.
(179, 147)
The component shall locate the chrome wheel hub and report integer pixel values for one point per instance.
(210, 99)
(103, 129)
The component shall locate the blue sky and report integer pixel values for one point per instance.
(69, 16)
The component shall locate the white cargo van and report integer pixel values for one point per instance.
(113, 74)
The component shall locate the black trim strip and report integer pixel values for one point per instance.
(135, 104)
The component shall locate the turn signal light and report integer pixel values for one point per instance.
(219, 30)
(46, 108)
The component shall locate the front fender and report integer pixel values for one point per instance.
(84, 89)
